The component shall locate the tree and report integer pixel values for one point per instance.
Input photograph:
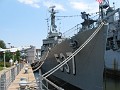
(8, 56)
(2, 44)
(17, 56)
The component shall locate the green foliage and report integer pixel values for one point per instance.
(2, 44)
(1, 68)
(8, 56)
(17, 56)
(6, 63)
(1, 56)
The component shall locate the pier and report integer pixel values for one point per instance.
(10, 78)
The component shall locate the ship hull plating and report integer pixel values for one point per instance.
(85, 70)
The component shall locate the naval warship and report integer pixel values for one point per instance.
(77, 63)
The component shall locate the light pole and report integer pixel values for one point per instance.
(4, 59)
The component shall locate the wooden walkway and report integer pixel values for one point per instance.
(29, 76)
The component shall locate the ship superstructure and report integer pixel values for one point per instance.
(54, 37)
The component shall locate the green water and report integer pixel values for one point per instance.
(112, 84)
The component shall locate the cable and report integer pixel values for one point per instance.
(69, 16)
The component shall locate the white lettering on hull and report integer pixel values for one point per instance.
(61, 57)
(58, 60)
(73, 63)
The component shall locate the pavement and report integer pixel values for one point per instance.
(27, 73)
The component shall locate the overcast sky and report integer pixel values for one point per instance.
(22, 22)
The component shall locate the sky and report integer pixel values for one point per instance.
(23, 22)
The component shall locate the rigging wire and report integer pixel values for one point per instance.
(69, 16)
(77, 15)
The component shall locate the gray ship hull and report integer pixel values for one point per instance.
(85, 70)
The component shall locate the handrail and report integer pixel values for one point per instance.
(59, 88)
(74, 29)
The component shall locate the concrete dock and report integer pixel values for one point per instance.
(28, 75)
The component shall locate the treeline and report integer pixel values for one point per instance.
(8, 55)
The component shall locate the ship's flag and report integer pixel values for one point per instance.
(100, 1)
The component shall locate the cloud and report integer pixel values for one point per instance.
(79, 5)
(82, 6)
(57, 5)
(33, 3)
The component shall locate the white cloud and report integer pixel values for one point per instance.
(79, 5)
(57, 6)
(82, 6)
(33, 3)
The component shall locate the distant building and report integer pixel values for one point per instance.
(30, 54)
(38, 55)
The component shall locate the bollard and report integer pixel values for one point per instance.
(23, 83)
(26, 70)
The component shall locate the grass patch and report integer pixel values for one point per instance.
(7, 64)
(1, 68)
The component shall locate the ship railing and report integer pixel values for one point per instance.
(57, 87)
(71, 32)
(74, 53)
(43, 85)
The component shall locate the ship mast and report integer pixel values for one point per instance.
(102, 6)
(53, 26)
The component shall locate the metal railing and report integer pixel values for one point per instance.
(71, 32)
(8, 76)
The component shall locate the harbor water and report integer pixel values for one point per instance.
(109, 83)
(112, 84)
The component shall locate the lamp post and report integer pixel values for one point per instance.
(4, 60)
